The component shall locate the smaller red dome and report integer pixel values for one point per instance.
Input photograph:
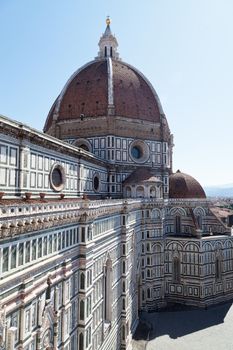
(184, 186)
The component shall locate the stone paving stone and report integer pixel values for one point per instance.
(187, 329)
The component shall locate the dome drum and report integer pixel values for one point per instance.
(139, 151)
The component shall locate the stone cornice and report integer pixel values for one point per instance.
(23, 132)
(22, 218)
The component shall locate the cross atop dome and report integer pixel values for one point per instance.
(108, 21)
(108, 29)
(108, 43)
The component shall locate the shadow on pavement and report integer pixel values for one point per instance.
(177, 321)
(142, 331)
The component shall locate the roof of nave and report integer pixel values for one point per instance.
(221, 212)
(18, 130)
(141, 175)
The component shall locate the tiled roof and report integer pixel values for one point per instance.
(184, 186)
(141, 175)
(87, 93)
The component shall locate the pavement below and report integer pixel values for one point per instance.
(184, 328)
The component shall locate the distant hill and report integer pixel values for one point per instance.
(219, 191)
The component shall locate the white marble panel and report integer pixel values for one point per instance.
(3, 154)
(96, 143)
(33, 179)
(13, 156)
(102, 154)
(33, 161)
(40, 180)
(3, 176)
(46, 163)
(102, 143)
(40, 162)
(46, 181)
(12, 177)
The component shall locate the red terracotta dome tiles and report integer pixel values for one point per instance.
(184, 186)
(87, 93)
(133, 97)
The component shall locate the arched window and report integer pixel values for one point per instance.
(123, 332)
(148, 293)
(176, 269)
(82, 281)
(84, 147)
(105, 51)
(199, 222)
(108, 291)
(81, 310)
(81, 342)
(111, 51)
(123, 304)
(48, 290)
(83, 234)
(83, 143)
(148, 273)
(178, 224)
(152, 192)
(140, 192)
(160, 192)
(218, 269)
(123, 266)
(128, 191)
(155, 214)
(123, 286)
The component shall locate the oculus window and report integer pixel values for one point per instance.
(57, 177)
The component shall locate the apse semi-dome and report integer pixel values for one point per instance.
(101, 92)
(184, 186)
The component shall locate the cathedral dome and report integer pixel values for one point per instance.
(184, 186)
(92, 91)
(103, 96)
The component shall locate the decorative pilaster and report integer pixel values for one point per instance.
(24, 166)
(62, 315)
(55, 327)
(39, 323)
(21, 316)
(3, 327)
(11, 333)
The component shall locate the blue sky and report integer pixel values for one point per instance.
(184, 47)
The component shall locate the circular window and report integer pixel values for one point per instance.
(96, 182)
(84, 144)
(84, 147)
(139, 151)
(136, 152)
(57, 177)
